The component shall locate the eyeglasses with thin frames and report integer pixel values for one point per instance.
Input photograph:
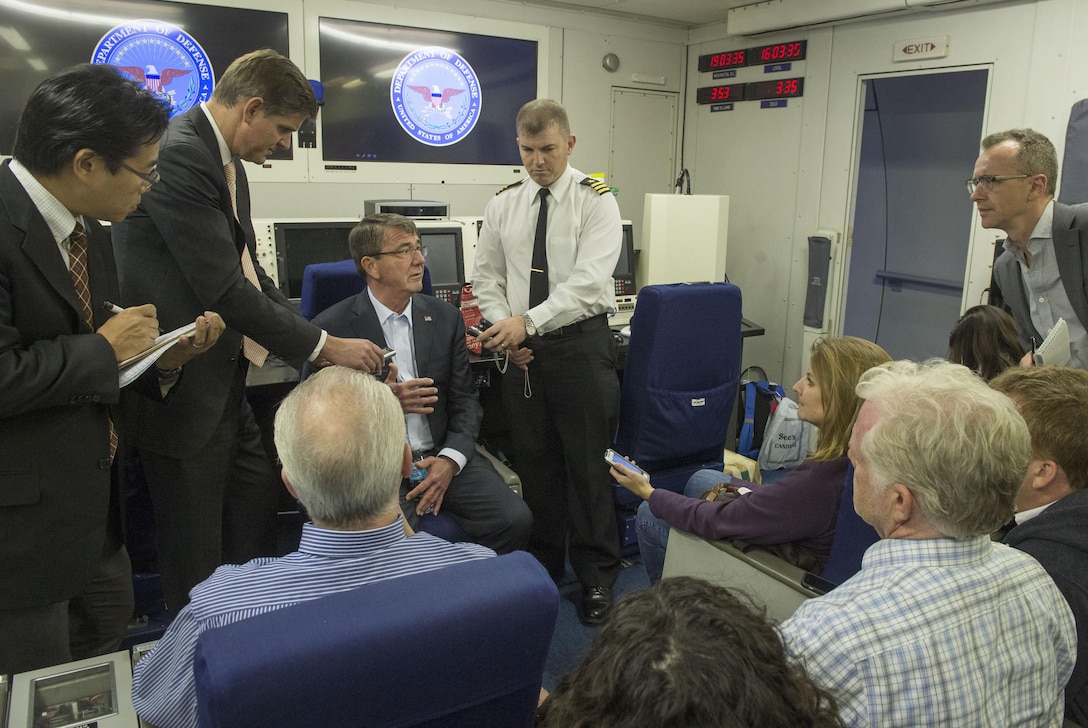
(150, 178)
(403, 253)
(986, 181)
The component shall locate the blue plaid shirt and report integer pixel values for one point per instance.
(327, 562)
(940, 632)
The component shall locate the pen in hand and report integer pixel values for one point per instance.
(114, 308)
(1033, 350)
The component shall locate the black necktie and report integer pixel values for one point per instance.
(538, 274)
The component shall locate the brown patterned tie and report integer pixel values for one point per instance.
(250, 348)
(77, 257)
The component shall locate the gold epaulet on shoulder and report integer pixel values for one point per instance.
(509, 186)
(596, 185)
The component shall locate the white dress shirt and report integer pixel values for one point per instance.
(584, 238)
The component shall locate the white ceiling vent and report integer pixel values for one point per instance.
(763, 17)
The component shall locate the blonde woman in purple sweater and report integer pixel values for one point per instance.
(800, 508)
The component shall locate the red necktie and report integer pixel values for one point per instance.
(77, 256)
(250, 348)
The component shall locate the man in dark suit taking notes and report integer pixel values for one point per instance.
(86, 149)
(188, 247)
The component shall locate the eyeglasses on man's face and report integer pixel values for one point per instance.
(150, 178)
(403, 253)
(986, 181)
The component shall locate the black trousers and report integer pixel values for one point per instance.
(216, 505)
(90, 623)
(559, 437)
(482, 505)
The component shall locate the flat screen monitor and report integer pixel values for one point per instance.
(298, 244)
(624, 275)
(445, 259)
(38, 38)
(420, 95)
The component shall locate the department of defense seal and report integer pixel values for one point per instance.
(436, 96)
(167, 61)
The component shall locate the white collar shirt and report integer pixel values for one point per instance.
(59, 218)
(584, 239)
(225, 158)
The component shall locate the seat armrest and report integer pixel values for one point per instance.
(508, 476)
(769, 580)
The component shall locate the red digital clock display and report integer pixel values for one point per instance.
(778, 52)
(719, 94)
(784, 89)
(718, 61)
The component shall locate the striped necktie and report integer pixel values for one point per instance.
(250, 348)
(77, 258)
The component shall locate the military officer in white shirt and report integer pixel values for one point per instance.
(544, 262)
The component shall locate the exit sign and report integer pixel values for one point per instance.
(920, 48)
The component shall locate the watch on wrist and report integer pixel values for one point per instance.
(530, 327)
(168, 373)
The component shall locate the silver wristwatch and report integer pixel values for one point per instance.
(530, 327)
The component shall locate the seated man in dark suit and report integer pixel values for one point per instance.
(432, 380)
(1052, 503)
(340, 436)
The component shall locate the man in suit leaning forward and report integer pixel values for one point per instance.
(188, 247)
(431, 378)
(1042, 274)
(85, 150)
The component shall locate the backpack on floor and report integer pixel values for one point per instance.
(758, 400)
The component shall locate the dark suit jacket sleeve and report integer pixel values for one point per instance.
(1070, 235)
(441, 354)
(57, 380)
(48, 356)
(190, 210)
(456, 424)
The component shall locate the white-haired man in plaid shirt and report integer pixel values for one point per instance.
(941, 626)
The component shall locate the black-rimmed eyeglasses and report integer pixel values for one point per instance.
(150, 178)
(986, 181)
(403, 253)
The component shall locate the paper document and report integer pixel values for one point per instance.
(130, 369)
(1055, 348)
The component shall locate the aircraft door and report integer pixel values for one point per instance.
(911, 231)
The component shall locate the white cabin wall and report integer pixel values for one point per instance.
(576, 41)
(788, 171)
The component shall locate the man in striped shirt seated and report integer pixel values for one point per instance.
(942, 626)
(340, 436)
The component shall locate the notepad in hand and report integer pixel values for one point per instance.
(1055, 348)
(130, 369)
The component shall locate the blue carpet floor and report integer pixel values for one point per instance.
(571, 637)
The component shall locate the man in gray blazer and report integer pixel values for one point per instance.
(188, 247)
(1042, 275)
(431, 378)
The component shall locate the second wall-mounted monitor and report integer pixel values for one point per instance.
(404, 102)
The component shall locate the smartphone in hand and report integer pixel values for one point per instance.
(614, 458)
